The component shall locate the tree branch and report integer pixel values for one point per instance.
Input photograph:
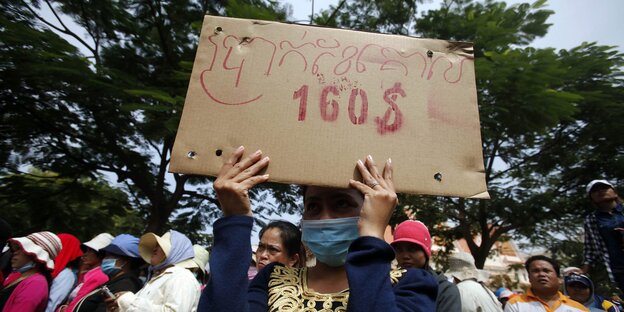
(201, 196)
(65, 30)
(333, 15)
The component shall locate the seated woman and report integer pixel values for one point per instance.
(343, 228)
(280, 241)
(170, 288)
(26, 288)
(120, 264)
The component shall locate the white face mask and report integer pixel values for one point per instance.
(25, 267)
(329, 239)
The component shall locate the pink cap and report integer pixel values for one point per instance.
(413, 232)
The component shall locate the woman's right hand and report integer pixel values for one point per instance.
(380, 198)
(236, 177)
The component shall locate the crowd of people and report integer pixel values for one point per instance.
(58, 273)
(336, 260)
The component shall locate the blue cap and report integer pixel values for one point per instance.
(577, 278)
(124, 245)
(499, 291)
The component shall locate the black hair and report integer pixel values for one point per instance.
(100, 254)
(291, 238)
(552, 261)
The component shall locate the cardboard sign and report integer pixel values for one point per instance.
(315, 100)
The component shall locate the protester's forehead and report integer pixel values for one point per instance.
(112, 255)
(577, 284)
(541, 264)
(271, 236)
(599, 186)
(312, 192)
(405, 244)
(15, 246)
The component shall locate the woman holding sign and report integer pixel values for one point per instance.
(342, 227)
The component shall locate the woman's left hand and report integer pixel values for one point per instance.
(379, 197)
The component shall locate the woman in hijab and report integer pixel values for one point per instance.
(170, 288)
(94, 277)
(343, 228)
(65, 274)
(26, 288)
(120, 264)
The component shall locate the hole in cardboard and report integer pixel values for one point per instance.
(438, 177)
(191, 154)
(218, 152)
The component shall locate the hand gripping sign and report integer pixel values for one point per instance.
(316, 99)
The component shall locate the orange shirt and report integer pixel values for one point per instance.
(530, 303)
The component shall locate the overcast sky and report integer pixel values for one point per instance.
(574, 21)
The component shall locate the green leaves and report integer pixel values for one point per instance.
(45, 200)
(492, 26)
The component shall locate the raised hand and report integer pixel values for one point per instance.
(379, 197)
(236, 177)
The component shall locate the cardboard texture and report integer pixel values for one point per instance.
(316, 100)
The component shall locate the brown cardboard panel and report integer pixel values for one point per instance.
(316, 100)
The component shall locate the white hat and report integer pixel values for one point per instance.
(148, 242)
(99, 241)
(199, 261)
(462, 267)
(569, 270)
(594, 182)
(44, 246)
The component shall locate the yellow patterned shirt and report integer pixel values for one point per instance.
(288, 291)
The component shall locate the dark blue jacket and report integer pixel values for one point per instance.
(367, 266)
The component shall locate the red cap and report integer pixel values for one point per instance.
(413, 232)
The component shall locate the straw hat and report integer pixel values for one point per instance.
(462, 267)
(43, 246)
(199, 261)
(148, 242)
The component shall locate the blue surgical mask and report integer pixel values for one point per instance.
(109, 268)
(25, 267)
(329, 239)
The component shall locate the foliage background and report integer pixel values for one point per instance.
(86, 131)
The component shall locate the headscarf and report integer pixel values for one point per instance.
(69, 252)
(176, 246)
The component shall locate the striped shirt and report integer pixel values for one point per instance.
(594, 248)
(530, 303)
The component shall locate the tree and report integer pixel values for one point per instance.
(542, 114)
(531, 107)
(115, 111)
(84, 207)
